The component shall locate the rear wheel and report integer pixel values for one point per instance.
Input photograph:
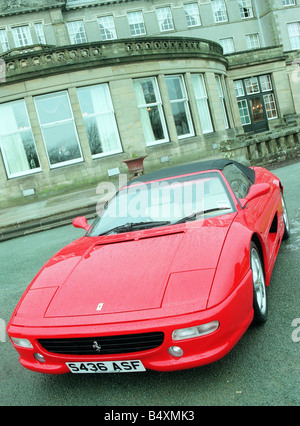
(285, 219)
(260, 305)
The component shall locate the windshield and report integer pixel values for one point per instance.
(164, 202)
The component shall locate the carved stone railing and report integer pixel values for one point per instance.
(10, 7)
(34, 61)
(264, 148)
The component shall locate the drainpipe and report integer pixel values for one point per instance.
(259, 24)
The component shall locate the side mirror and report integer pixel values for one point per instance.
(254, 192)
(81, 222)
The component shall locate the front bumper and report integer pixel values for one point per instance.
(235, 314)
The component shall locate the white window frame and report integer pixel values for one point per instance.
(288, 3)
(244, 107)
(294, 34)
(270, 106)
(185, 102)
(12, 133)
(136, 23)
(70, 120)
(145, 106)
(246, 9)
(76, 29)
(252, 85)
(239, 88)
(103, 113)
(39, 30)
(164, 14)
(108, 32)
(192, 14)
(228, 45)
(4, 40)
(222, 100)
(219, 11)
(266, 83)
(203, 102)
(253, 41)
(22, 36)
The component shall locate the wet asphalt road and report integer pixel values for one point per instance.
(263, 369)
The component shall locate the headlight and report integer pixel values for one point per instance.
(23, 343)
(199, 330)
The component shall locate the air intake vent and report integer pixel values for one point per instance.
(105, 345)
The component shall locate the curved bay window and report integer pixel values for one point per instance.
(151, 111)
(16, 140)
(99, 120)
(58, 129)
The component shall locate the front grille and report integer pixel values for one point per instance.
(104, 345)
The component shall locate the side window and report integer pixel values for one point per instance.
(238, 181)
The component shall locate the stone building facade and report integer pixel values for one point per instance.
(85, 84)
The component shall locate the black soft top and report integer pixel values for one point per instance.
(201, 166)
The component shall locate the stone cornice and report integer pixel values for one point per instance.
(17, 7)
(40, 61)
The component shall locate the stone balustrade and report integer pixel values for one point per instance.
(264, 148)
(44, 60)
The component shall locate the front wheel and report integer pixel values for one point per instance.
(260, 305)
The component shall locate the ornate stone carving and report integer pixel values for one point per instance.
(17, 6)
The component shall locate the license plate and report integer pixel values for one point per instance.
(106, 367)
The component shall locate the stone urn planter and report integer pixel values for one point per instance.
(135, 165)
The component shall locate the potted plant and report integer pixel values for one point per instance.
(135, 165)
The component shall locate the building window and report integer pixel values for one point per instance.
(294, 34)
(22, 36)
(270, 105)
(227, 44)
(265, 82)
(244, 112)
(246, 9)
(252, 85)
(219, 11)
(40, 33)
(16, 140)
(258, 104)
(136, 23)
(4, 41)
(99, 120)
(222, 100)
(58, 129)
(239, 88)
(180, 106)
(288, 2)
(165, 19)
(76, 32)
(151, 111)
(202, 103)
(253, 41)
(192, 14)
(107, 28)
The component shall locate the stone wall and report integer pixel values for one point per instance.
(264, 148)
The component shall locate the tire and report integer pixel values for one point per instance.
(285, 219)
(260, 304)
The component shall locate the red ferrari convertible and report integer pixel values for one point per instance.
(169, 277)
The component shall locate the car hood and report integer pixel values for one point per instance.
(135, 275)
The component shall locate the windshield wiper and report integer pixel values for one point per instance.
(194, 215)
(132, 226)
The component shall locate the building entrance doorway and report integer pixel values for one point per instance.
(256, 102)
